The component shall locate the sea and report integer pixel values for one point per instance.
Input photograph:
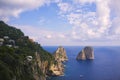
(105, 66)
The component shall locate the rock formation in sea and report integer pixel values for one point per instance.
(86, 53)
(60, 57)
(60, 54)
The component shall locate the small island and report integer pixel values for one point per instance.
(60, 57)
(86, 53)
(60, 54)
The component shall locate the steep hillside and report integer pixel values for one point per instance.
(21, 58)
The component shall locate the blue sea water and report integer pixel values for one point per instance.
(105, 66)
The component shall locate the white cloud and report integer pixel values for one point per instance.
(12, 8)
(92, 25)
(84, 1)
(43, 36)
(103, 13)
(62, 36)
(84, 25)
(74, 19)
(116, 26)
(115, 7)
(48, 36)
(64, 7)
(100, 24)
(5, 19)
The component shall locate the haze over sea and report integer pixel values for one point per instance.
(105, 66)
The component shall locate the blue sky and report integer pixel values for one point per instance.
(65, 22)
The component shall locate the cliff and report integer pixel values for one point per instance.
(60, 57)
(21, 58)
(60, 54)
(57, 69)
(86, 53)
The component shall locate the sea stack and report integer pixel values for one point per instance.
(60, 57)
(60, 54)
(86, 53)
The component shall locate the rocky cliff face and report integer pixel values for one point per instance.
(57, 69)
(36, 67)
(39, 68)
(86, 53)
(60, 54)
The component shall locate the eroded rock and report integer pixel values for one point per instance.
(86, 53)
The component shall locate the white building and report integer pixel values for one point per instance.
(9, 45)
(29, 58)
(1, 41)
(6, 37)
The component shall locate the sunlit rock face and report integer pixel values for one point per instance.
(86, 53)
(60, 57)
(60, 54)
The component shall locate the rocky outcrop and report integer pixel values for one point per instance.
(60, 54)
(57, 69)
(60, 57)
(86, 53)
(35, 67)
(42, 69)
(39, 68)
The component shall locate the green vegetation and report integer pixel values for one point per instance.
(6, 30)
(12, 60)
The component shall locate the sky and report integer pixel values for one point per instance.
(65, 22)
